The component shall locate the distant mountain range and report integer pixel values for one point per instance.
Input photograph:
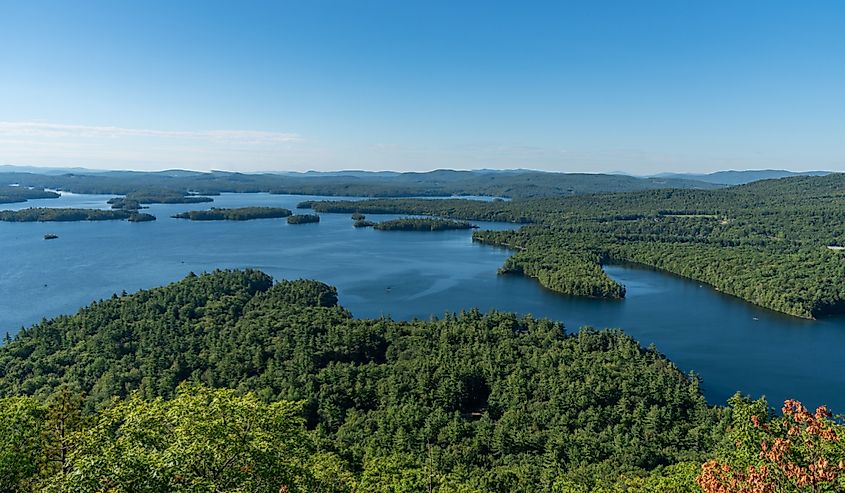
(437, 183)
(514, 183)
(733, 177)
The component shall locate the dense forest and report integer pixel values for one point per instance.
(235, 214)
(440, 183)
(766, 242)
(229, 382)
(303, 219)
(422, 224)
(65, 214)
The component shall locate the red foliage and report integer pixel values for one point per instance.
(792, 454)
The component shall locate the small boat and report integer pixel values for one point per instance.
(50, 236)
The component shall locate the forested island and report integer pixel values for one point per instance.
(12, 194)
(125, 204)
(140, 217)
(765, 242)
(48, 214)
(165, 197)
(360, 221)
(235, 214)
(135, 200)
(422, 224)
(229, 381)
(303, 219)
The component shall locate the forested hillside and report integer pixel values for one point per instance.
(766, 242)
(320, 401)
(493, 402)
(149, 187)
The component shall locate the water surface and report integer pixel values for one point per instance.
(732, 345)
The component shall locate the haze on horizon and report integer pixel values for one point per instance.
(639, 87)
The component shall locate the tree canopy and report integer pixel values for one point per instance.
(491, 401)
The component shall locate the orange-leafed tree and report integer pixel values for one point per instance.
(799, 451)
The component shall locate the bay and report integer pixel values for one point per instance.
(732, 345)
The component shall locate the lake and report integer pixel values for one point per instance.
(732, 345)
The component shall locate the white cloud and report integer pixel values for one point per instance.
(60, 144)
(61, 130)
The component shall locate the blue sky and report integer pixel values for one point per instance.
(596, 86)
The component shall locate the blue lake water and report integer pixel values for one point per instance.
(732, 345)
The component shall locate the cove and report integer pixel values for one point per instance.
(732, 345)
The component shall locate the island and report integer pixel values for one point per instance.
(12, 193)
(423, 224)
(363, 223)
(124, 203)
(357, 216)
(303, 219)
(134, 200)
(236, 214)
(140, 217)
(47, 214)
(160, 197)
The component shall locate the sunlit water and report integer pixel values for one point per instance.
(732, 345)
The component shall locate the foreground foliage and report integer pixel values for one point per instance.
(200, 440)
(798, 451)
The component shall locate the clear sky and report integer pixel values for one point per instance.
(638, 86)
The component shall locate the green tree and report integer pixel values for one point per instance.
(23, 443)
(203, 440)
